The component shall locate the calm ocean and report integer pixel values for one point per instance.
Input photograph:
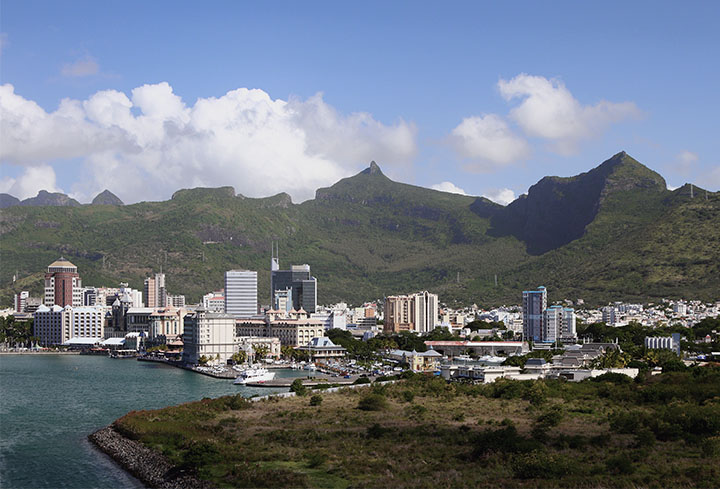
(50, 403)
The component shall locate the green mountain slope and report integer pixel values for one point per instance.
(611, 233)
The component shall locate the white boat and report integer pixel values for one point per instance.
(310, 366)
(254, 375)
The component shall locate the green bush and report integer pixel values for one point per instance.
(538, 464)
(619, 464)
(408, 396)
(551, 417)
(298, 387)
(361, 380)
(373, 402)
(316, 400)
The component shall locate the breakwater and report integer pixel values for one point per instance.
(150, 466)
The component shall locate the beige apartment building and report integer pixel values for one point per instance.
(416, 312)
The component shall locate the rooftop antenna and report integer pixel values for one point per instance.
(275, 256)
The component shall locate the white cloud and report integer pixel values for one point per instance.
(488, 142)
(548, 110)
(502, 196)
(33, 179)
(448, 187)
(86, 66)
(684, 161)
(244, 138)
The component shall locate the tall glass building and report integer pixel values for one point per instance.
(534, 303)
(241, 293)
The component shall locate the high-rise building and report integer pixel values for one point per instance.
(416, 312)
(298, 280)
(534, 303)
(155, 291)
(20, 301)
(241, 293)
(569, 332)
(63, 286)
(552, 324)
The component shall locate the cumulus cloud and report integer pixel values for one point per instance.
(32, 180)
(146, 146)
(548, 110)
(488, 142)
(86, 66)
(502, 196)
(448, 187)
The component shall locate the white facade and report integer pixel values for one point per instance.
(241, 293)
(85, 322)
(426, 312)
(49, 324)
(214, 301)
(209, 334)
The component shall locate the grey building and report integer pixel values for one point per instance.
(298, 280)
(241, 293)
(534, 304)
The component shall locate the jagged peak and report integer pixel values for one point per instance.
(373, 169)
(107, 198)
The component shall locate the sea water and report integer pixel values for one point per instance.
(49, 404)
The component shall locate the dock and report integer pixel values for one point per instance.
(318, 379)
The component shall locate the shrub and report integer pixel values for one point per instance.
(619, 464)
(503, 440)
(372, 402)
(316, 459)
(613, 378)
(361, 380)
(550, 418)
(316, 400)
(298, 387)
(538, 464)
(377, 431)
(408, 396)
(415, 411)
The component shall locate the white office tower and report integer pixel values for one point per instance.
(426, 311)
(241, 293)
(568, 326)
(552, 324)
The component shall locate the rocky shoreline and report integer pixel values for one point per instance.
(151, 467)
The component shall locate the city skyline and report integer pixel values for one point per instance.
(472, 98)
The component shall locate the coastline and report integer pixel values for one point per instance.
(150, 467)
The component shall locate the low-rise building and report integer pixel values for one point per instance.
(208, 335)
(293, 329)
(323, 349)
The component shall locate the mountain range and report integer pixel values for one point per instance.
(613, 233)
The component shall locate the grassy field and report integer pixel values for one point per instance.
(661, 431)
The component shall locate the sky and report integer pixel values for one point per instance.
(482, 98)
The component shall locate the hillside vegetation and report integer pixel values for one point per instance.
(612, 233)
(656, 432)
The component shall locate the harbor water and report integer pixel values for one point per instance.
(50, 403)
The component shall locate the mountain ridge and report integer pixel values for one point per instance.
(367, 236)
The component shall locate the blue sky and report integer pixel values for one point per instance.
(487, 97)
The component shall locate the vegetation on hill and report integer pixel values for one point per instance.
(612, 233)
(611, 431)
